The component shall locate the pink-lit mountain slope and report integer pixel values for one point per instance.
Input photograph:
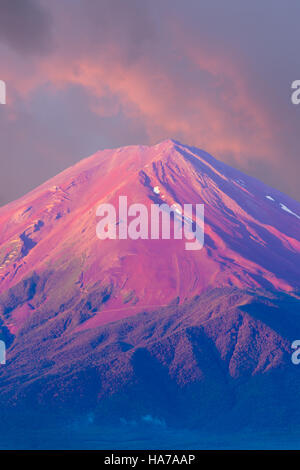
(84, 319)
(252, 235)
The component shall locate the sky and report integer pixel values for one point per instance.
(84, 75)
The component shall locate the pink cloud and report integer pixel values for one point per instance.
(192, 90)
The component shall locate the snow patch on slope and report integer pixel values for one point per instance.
(286, 209)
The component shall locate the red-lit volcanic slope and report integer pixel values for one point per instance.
(69, 302)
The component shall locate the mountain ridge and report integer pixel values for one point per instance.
(85, 319)
(60, 218)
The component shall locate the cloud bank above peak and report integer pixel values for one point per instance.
(88, 75)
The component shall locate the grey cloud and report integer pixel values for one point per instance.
(25, 26)
(154, 37)
(92, 26)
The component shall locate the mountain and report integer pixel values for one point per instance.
(132, 328)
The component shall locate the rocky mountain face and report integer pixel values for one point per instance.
(128, 328)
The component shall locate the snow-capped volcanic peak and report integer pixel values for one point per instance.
(131, 328)
(250, 240)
